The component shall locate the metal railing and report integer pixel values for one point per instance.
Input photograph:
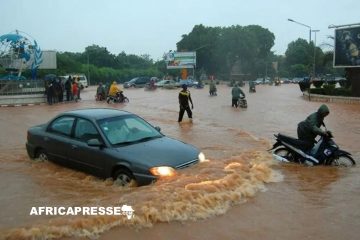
(22, 87)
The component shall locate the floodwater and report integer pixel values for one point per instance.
(239, 193)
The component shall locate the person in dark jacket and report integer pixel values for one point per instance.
(212, 89)
(68, 87)
(100, 92)
(49, 89)
(309, 129)
(236, 92)
(184, 98)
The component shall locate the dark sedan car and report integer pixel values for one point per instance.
(137, 82)
(110, 143)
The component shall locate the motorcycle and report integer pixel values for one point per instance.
(242, 102)
(150, 87)
(213, 92)
(99, 97)
(252, 89)
(119, 98)
(324, 152)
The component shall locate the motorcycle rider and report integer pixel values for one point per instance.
(212, 89)
(252, 86)
(116, 91)
(100, 92)
(309, 129)
(236, 93)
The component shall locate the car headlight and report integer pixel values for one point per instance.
(162, 171)
(201, 157)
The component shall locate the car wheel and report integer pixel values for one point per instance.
(124, 178)
(42, 155)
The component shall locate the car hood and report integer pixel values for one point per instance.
(162, 151)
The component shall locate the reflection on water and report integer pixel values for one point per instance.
(234, 140)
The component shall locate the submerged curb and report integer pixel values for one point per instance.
(334, 99)
(21, 105)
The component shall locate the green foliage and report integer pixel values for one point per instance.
(318, 84)
(345, 83)
(2, 70)
(300, 52)
(219, 49)
(298, 70)
(102, 66)
(329, 88)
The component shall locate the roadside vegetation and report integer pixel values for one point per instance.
(220, 51)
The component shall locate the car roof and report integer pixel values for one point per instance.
(97, 113)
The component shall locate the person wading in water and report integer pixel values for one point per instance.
(184, 98)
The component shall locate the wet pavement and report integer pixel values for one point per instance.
(239, 193)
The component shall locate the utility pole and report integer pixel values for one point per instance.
(314, 67)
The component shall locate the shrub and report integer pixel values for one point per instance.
(318, 84)
(331, 91)
(331, 82)
(345, 83)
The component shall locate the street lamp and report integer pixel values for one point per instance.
(88, 70)
(315, 31)
(291, 20)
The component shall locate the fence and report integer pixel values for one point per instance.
(21, 87)
(15, 92)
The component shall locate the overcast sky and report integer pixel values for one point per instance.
(155, 26)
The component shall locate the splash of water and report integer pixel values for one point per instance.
(207, 190)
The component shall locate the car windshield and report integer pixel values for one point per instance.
(127, 130)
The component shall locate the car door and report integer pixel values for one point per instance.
(87, 158)
(56, 141)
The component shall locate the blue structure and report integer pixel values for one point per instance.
(19, 52)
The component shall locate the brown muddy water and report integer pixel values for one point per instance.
(239, 193)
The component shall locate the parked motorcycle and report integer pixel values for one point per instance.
(324, 152)
(119, 98)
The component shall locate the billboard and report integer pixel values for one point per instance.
(178, 60)
(347, 47)
(48, 60)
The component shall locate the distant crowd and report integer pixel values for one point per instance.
(55, 89)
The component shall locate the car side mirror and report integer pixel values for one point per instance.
(94, 143)
(158, 129)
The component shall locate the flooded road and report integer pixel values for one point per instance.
(239, 193)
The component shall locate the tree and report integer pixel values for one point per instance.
(219, 49)
(299, 52)
(98, 56)
(299, 59)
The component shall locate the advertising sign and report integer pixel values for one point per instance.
(178, 60)
(347, 47)
(48, 60)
